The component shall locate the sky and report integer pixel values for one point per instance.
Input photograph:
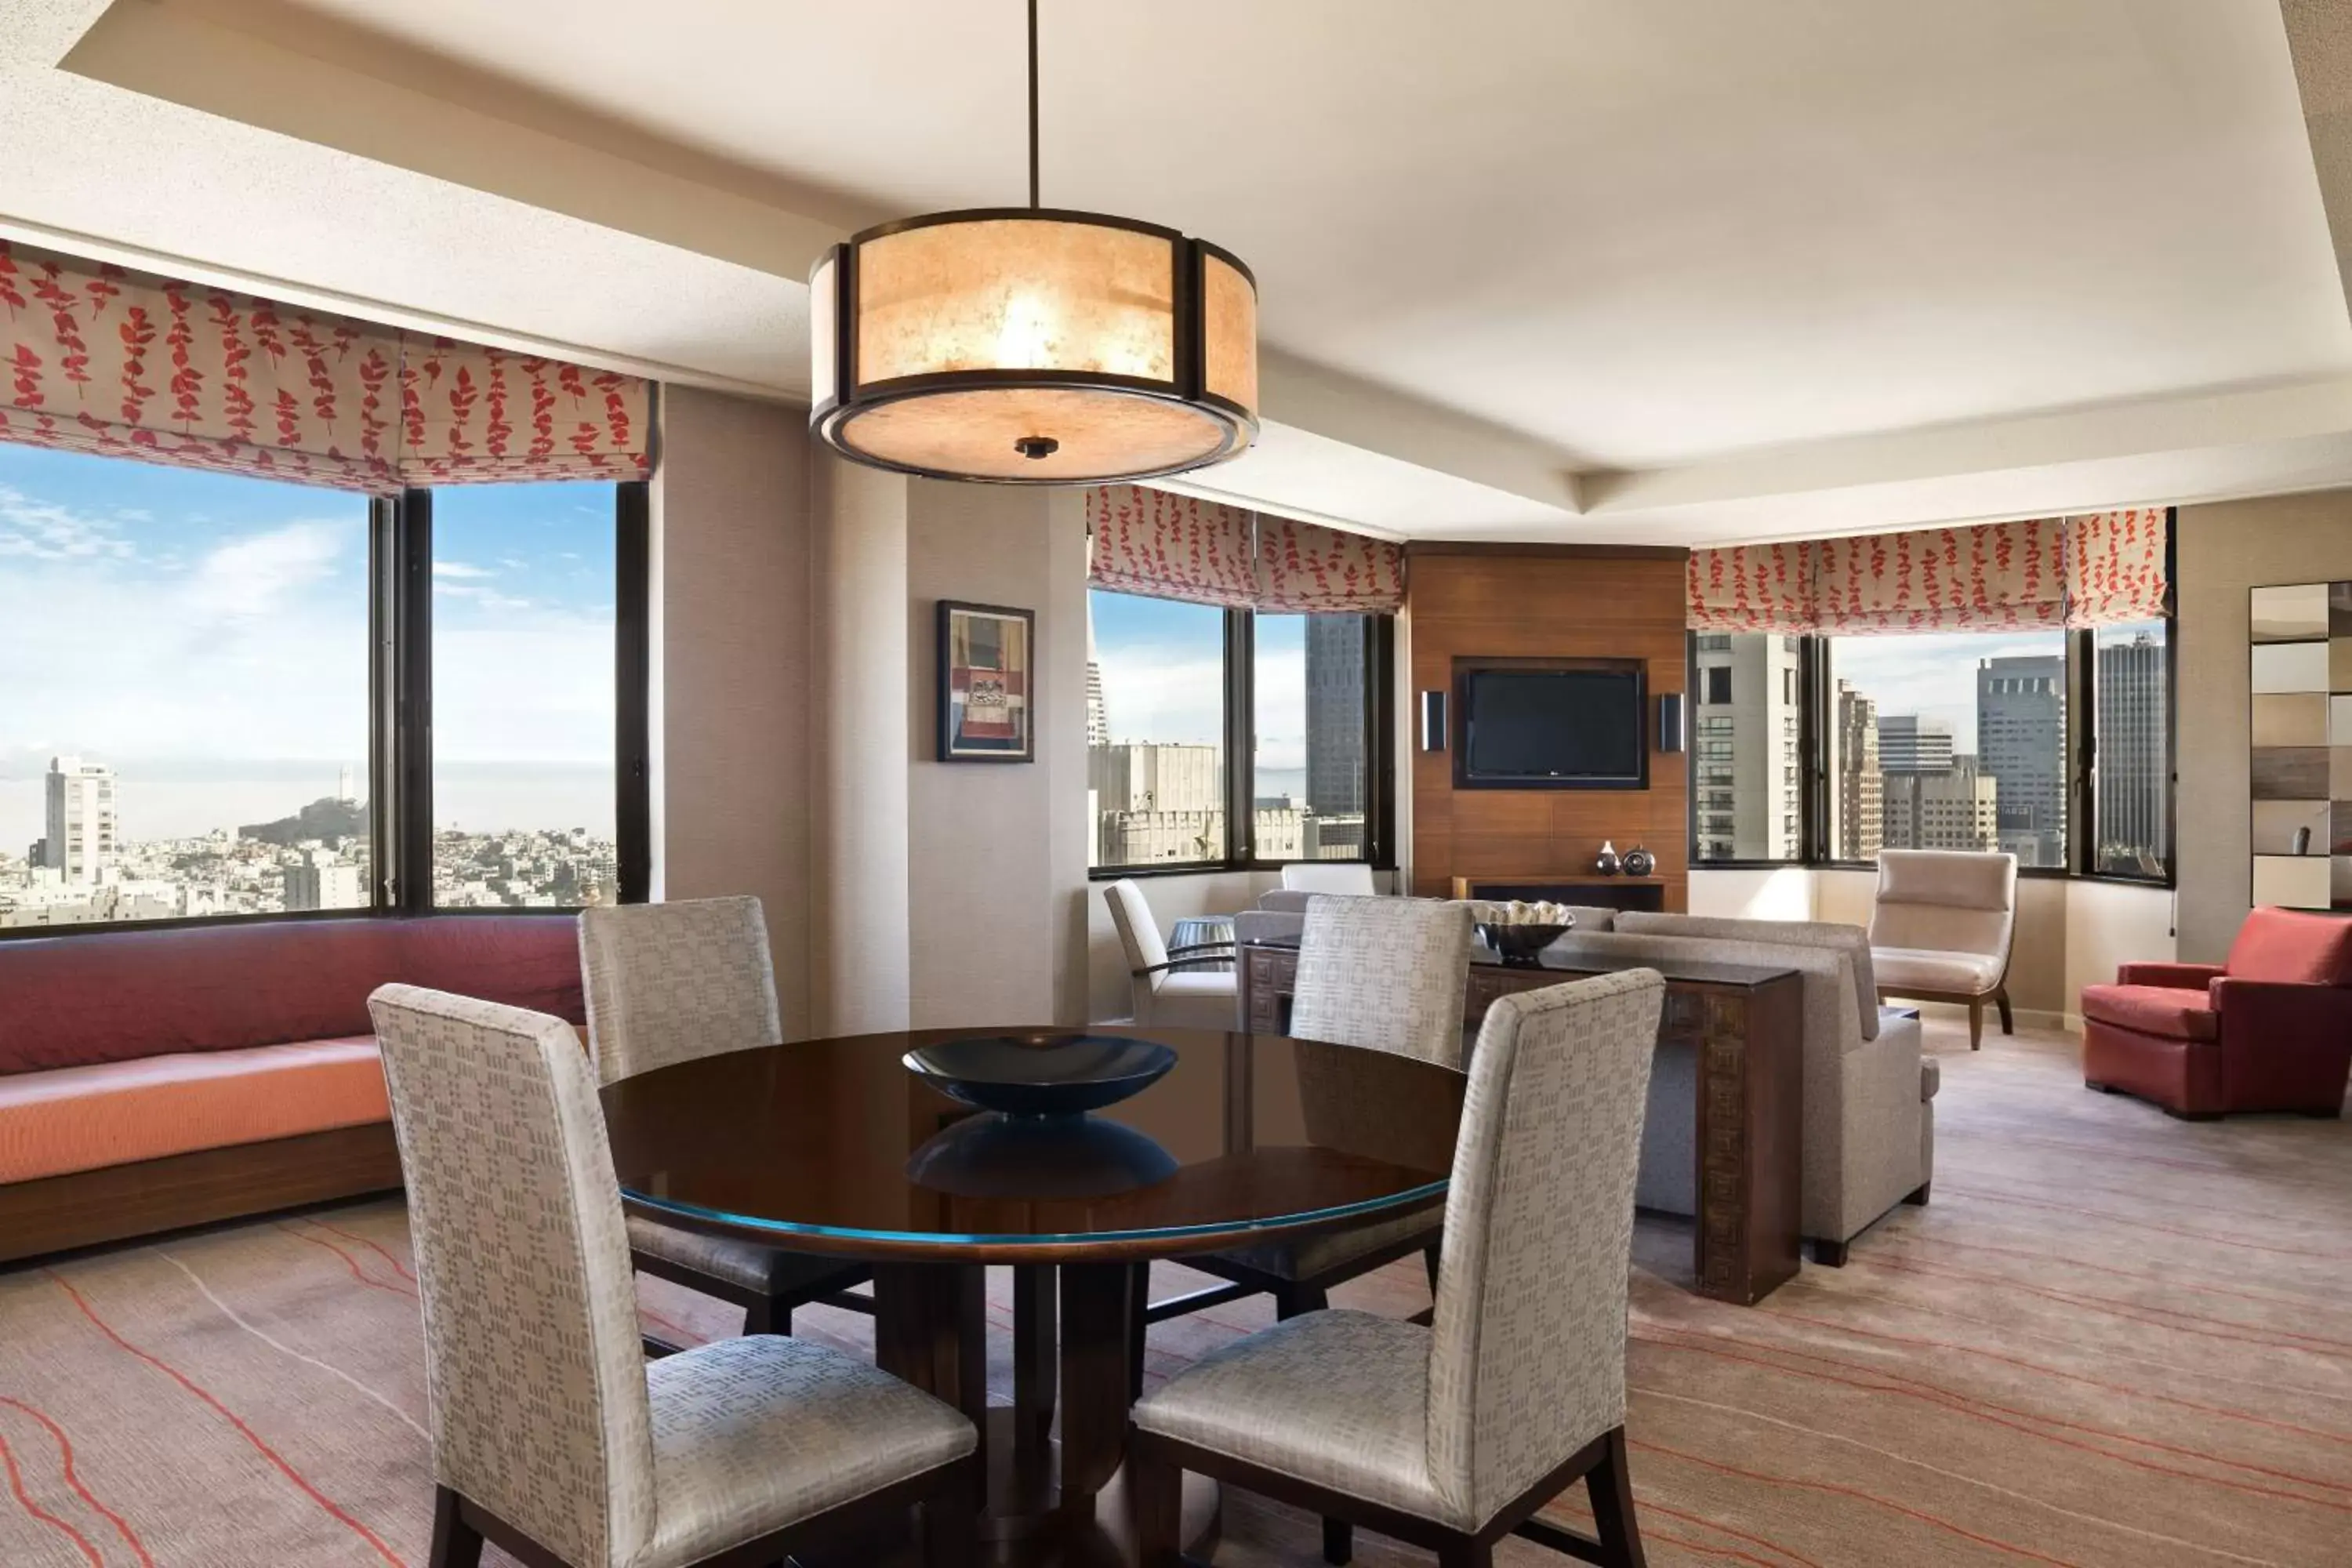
(1934, 677)
(1163, 673)
(206, 635)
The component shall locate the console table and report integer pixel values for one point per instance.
(1746, 1025)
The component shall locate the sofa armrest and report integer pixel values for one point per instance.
(2173, 976)
(2283, 1045)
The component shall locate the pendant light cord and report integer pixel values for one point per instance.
(1032, 105)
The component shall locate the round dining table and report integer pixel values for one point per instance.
(836, 1146)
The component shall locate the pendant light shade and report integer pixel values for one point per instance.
(1028, 345)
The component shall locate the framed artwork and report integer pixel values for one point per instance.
(987, 676)
(2300, 780)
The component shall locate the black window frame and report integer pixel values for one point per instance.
(1239, 739)
(1817, 694)
(400, 724)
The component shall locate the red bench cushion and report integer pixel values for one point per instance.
(2157, 1010)
(113, 996)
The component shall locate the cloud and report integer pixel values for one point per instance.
(44, 531)
(254, 576)
(460, 569)
(488, 598)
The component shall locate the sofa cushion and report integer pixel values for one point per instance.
(111, 1114)
(111, 996)
(2156, 1010)
(1906, 971)
(2292, 947)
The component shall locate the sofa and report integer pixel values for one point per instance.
(151, 1079)
(1869, 1111)
(2268, 1029)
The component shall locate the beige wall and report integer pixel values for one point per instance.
(995, 851)
(730, 650)
(2223, 551)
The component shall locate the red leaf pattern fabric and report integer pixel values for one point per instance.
(98, 359)
(1996, 576)
(1169, 546)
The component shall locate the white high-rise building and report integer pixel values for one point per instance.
(1749, 750)
(81, 825)
(323, 880)
(1910, 744)
(1098, 714)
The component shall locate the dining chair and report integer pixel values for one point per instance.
(1178, 988)
(671, 982)
(1451, 1436)
(1386, 974)
(552, 1436)
(1351, 878)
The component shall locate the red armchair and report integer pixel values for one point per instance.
(2269, 1030)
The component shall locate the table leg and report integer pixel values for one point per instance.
(1036, 1374)
(1098, 1315)
(929, 1320)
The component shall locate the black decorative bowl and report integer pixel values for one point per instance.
(1041, 1075)
(1519, 942)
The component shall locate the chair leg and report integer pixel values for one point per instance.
(1339, 1540)
(1431, 1257)
(768, 1316)
(1155, 1491)
(456, 1543)
(1610, 1484)
(2000, 1000)
(1975, 1024)
(952, 1520)
(1827, 1253)
(1918, 1196)
(1139, 1329)
(1296, 1300)
(1465, 1553)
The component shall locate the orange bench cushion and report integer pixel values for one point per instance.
(113, 1113)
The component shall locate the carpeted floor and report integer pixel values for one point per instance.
(2114, 1339)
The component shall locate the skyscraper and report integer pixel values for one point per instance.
(1910, 744)
(1098, 716)
(1956, 807)
(323, 880)
(1335, 733)
(2021, 743)
(1860, 807)
(2135, 836)
(81, 826)
(1748, 749)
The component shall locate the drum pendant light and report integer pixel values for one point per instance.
(1032, 345)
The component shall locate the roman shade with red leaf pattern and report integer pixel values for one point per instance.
(2097, 570)
(1169, 546)
(104, 360)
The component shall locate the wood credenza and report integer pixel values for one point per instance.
(1744, 1025)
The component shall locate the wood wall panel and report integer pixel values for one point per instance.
(1545, 601)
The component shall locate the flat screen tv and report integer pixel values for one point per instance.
(1573, 724)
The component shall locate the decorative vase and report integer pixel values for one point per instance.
(1606, 862)
(1639, 862)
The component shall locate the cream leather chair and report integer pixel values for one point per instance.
(1165, 991)
(671, 982)
(1942, 929)
(1351, 878)
(552, 1436)
(1452, 1437)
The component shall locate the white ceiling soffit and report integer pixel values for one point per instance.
(1573, 270)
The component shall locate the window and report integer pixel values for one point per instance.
(1965, 735)
(184, 694)
(1155, 730)
(208, 707)
(523, 643)
(1310, 712)
(1174, 689)
(1747, 786)
(2131, 711)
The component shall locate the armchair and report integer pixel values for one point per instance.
(1942, 928)
(2270, 1029)
(1171, 985)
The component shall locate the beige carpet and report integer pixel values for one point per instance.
(2114, 1339)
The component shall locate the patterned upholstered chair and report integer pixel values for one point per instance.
(552, 1436)
(1451, 1436)
(1171, 986)
(667, 983)
(1387, 974)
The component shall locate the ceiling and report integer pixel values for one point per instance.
(1669, 274)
